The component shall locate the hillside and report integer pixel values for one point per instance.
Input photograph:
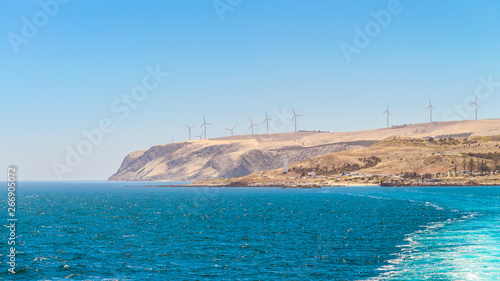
(413, 155)
(243, 155)
(407, 157)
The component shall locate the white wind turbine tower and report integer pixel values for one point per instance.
(252, 125)
(430, 107)
(267, 121)
(189, 127)
(476, 105)
(388, 113)
(295, 115)
(232, 133)
(205, 125)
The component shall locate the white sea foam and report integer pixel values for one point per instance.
(433, 205)
(466, 247)
(456, 249)
(371, 196)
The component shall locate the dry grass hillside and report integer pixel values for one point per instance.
(395, 155)
(238, 156)
(392, 156)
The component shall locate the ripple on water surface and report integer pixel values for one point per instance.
(111, 230)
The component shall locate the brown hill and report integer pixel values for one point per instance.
(415, 155)
(242, 155)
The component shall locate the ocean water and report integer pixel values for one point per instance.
(133, 231)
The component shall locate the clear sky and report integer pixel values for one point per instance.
(68, 66)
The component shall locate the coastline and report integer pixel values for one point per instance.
(288, 186)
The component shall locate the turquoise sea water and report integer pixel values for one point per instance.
(129, 231)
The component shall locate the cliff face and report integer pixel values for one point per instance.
(243, 155)
(207, 159)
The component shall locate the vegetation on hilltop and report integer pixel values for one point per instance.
(396, 155)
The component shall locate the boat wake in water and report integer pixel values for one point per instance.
(464, 248)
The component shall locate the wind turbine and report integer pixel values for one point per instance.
(388, 113)
(252, 125)
(205, 125)
(430, 107)
(199, 136)
(295, 115)
(232, 133)
(476, 105)
(189, 127)
(267, 121)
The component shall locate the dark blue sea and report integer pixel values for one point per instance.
(135, 231)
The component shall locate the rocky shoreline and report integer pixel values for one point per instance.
(438, 184)
(288, 185)
(241, 184)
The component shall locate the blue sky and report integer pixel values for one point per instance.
(255, 57)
